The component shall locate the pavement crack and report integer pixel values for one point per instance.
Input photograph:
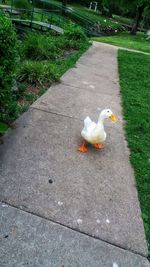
(57, 113)
(25, 209)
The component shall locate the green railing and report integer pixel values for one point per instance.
(42, 9)
(88, 25)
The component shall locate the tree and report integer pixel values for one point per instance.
(139, 12)
(139, 6)
(108, 7)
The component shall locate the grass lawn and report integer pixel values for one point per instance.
(123, 20)
(105, 22)
(137, 42)
(90, 15)
(135, 89)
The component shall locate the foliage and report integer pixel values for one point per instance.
(74, 32)
(34, 72)
(146, 18)
(43, 59)
(123, 20)
(70, 61)
(109, 8)
(8, 52)
(40, 47)
(22, 4)
(135, 81)
(139, 6)
(137, 42)
(104, 23)
(3, 127)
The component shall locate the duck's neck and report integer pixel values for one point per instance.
(101, 120)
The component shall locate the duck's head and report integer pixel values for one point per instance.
(108, 114)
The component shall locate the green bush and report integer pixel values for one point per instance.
(8, 57)
(34, 72)
(40, 47)
(25, 6)
(74, 32)
(22, 4)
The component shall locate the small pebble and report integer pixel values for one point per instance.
(79, 221)
(108, 221)
(115, 264)
(92, 86)
(50, 181)
(4, 205)
(60, 203)
(98, 221)
(6, 236)
(85, 82)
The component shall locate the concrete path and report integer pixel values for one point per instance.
(85, 206)
(127, 49)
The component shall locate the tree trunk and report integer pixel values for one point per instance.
(110, 13)
(139, 12)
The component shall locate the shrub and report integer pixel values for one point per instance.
(34, 72)
(22, 4)
(74, 32)
(25, 6)
(8, 52)
(40, 47)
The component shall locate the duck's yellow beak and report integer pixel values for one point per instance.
(113, 118)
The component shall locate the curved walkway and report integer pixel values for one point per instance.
(124, 48)
(60, 207)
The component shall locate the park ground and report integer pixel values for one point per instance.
(133, 69)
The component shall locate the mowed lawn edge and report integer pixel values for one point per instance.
(125, 40)
(135, 90)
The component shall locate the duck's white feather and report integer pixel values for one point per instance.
(92, 132)
(88, 123)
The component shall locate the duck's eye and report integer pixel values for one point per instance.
(107, 111)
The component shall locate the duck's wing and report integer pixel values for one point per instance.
(88, 124)
(87, 121)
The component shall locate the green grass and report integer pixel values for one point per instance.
(3, 127)
(137, 42)
(95, 17)
(135, 84)
(104, 23)
(123, 20)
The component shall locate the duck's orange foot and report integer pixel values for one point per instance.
(98, 146)
(82, 149)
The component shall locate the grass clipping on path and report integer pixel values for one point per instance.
(135, 88)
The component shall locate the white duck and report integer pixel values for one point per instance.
(94, 133)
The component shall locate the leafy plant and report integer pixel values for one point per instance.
(74, 32)
(8, 63)
(37, 72)
(3, 127)
(40, 47)
(24, 6)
